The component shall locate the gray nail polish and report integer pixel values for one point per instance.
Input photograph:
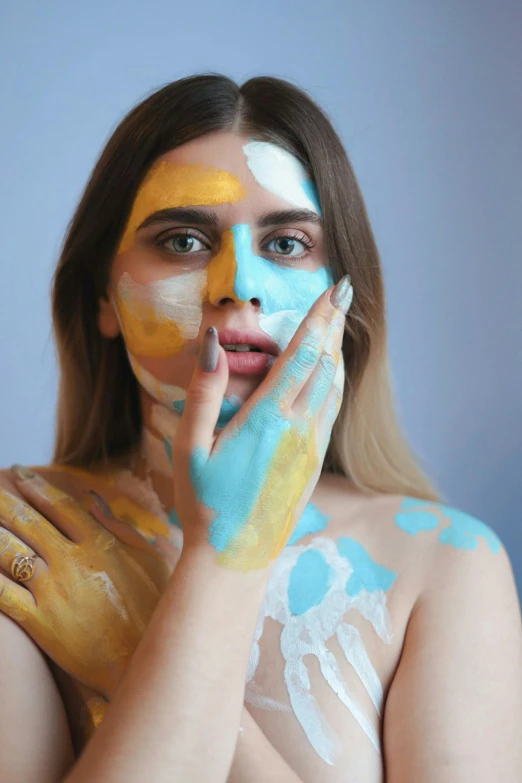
(342, 294)
(208, 354)
(22, 472)
(101, 503)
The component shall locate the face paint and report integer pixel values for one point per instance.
(281, 173)
(158, 318)
(173, 185)
(310, 590)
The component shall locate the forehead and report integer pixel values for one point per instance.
(259, 168)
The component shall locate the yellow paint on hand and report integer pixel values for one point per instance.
(273, 517)
(145, 521)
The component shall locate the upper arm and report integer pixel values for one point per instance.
(454, 709)
(35, 742)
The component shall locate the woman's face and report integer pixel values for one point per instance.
(226, 232)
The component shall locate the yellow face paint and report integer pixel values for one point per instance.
(222, 270)
(174, 185)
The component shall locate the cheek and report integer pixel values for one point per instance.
(159, 318)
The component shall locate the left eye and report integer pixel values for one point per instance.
(184, 243)
(286, 246)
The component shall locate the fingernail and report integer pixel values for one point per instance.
(209, 352)
(341, 296)
(22, 473)
(101, 503)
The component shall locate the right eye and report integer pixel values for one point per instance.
(182, 243)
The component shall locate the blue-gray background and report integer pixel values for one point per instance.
(426, 98)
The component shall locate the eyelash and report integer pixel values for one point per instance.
(297, 235)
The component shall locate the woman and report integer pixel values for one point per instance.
(226, 440)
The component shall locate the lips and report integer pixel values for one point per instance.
(248, 337)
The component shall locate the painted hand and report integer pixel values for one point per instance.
(243, 491)
(95, 584)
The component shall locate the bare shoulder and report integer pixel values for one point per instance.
(419, 539)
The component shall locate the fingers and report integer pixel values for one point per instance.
(294, 368)
(57, 506)
(11, 548)
(317, 388)
(204, 397)
(28, 525)
(16, 602)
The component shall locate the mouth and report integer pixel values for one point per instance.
(247, 340)
(248, 351)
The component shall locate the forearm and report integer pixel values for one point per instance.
(177, 712)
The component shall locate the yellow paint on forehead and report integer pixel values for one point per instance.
(175, 185)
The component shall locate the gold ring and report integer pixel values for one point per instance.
(22, 567)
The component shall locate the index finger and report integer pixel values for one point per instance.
(61, 509)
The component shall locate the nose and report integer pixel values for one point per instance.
(235, 274)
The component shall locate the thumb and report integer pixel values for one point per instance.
(204, 395)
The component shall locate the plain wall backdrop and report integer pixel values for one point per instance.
(426, 98)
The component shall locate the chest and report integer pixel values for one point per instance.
(326, 646)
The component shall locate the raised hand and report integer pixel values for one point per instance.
(93, 583)
(243, 491)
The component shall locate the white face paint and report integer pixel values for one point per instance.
(281, 173)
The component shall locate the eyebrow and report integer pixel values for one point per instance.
(206, 217)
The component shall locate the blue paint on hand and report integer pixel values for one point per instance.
(367, 573)
(309, 581)
(310, 521)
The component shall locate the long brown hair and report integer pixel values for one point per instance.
(98, 417)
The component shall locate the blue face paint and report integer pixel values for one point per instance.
(462, 532)
(277, 287)
(309, 581)
(310, 521)
(367, 573)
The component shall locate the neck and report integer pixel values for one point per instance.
(159, 427)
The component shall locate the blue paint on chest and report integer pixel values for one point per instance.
(310, 521)
(367, 573)
(309, 581)
(462, 532)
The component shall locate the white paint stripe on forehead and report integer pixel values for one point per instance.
(279, 172)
